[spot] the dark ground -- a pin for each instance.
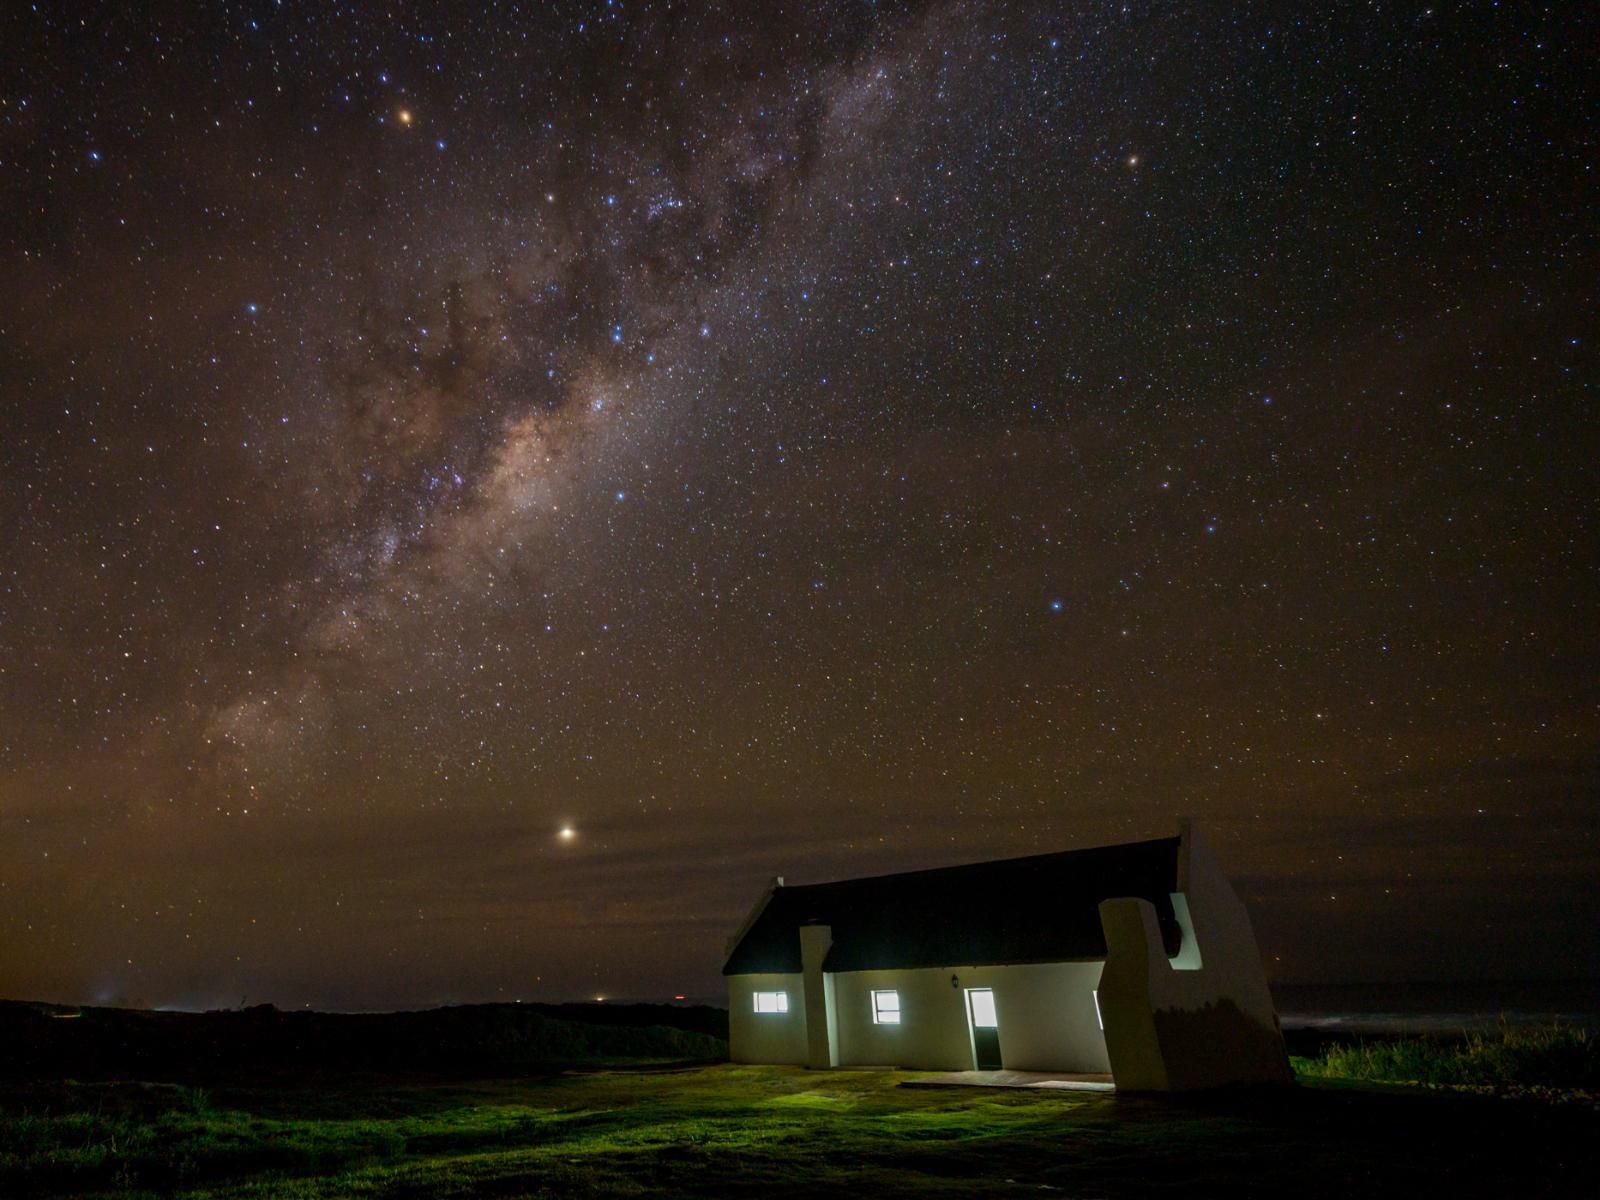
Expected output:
(775, 1131)
(510, 1101)
(482, 1040)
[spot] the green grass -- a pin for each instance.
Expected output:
(765, 1132)
(1542, 1057)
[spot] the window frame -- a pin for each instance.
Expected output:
(780, 1003)
(882, 1015)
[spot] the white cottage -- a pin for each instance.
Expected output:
(1136, 960)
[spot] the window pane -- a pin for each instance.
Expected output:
(983, 1016)
(886, 1007)
(771, 1002)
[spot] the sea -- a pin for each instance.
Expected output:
(1476, 1006)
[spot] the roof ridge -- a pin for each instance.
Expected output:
(990, 862)
(1033, 908)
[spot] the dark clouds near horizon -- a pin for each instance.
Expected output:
(812, 441)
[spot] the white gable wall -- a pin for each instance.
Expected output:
(1204, 1018)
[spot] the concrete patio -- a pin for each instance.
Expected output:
(1017, 1079)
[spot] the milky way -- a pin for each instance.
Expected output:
(813, 442)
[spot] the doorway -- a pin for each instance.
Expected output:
(985, 1027)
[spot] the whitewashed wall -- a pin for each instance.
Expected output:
(766, 1037)
(1046, 1015)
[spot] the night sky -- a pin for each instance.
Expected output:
(814, 440)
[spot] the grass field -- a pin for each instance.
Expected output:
(772, 1131)
(1537, 1058)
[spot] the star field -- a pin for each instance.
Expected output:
(485, 492)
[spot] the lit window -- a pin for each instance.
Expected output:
(983, 1014)
(772, 1002)
(886, 1007)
